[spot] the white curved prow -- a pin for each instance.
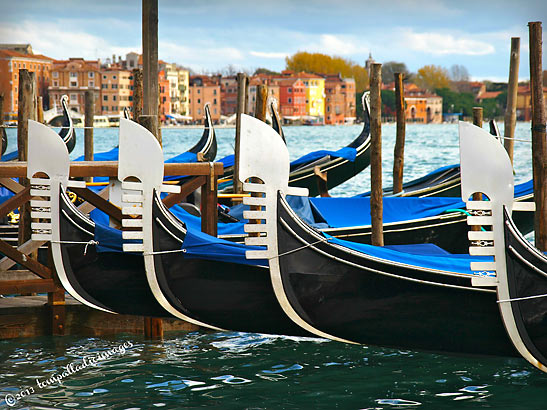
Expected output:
(263, 155)
(486, 168)
(141, 157)
(48, 154)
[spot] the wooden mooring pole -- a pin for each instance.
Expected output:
(477, 120)
(137, 94)
(88, 124)
(261, 102)
(26, 111)
(376, 193)
(539, 135)
(241, 109)
(153, 327)
(1, 119)
(40, 109)
(511, 109)
(150, 62)
(399, 150)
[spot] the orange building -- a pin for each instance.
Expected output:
(11, 62)
(165, 97)
(204, 89)
(116, 90)
(339, 99)
(524, 102)
(255, 81)
(74, 77)
(292, 98)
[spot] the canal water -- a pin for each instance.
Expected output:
(249, 371)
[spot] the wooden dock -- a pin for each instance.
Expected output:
(29, 316)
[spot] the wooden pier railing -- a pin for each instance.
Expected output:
(41, 278)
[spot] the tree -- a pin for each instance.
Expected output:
(431, 77)
(325, 64)
(459, 73)
(390, 68)
(262, 70)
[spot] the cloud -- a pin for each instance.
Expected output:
(444, 44)
(265, 54)
(337, 44)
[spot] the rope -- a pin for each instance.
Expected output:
(515, 139)
(162, 252)
(91, 242)
(523, 298)
(300, 248)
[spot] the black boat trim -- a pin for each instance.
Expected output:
(175, 237)
(74, 223)
(523, 260)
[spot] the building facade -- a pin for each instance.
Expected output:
(74, 77)
(292, 98)
(11, 62)
(204, 89)
(184, 92)
(339, 99)
(116, 90)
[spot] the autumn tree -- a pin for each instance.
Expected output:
(325, 64)
(431, 77)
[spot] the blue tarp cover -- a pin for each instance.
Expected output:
(346, 153)
(199, 245)
(10, 156)
(110, 239)
(422, 256)
(228, 160)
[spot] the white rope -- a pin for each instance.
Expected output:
(523, 298)
(515, 139)
(300, 248)
(162, 252)
(91, 242)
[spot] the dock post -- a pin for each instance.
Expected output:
(376, 193)
(88, 128)
(56, 302)
(477, 120)
(241, 109)
(26, 111)
(153, 327)
(261, 102)
(137, 94)
(399, 150)
(209, 200)
(512, 87)
(539, 135)
(40, 109)
(1, 118)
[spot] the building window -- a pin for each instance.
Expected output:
(215, 101)
(199, 101)
(73, 74)
(104, 77)
(114, 108)
(114, 77)
(74, 84)
(289, 90)
(199, 91)
(215, 92)
(290, 100)
(55, 83)
(105, 98)
(55, 74)
(103, 86)
(215, 110)
(91, 74)
(114, 86)
(113, 98)
(73, 98)
(199, 111)
(91, 83)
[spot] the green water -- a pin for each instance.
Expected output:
(248, 371)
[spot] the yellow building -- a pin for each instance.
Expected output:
(184, 92)
(315, 95)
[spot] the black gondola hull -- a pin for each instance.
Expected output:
(112, 280)
(373, 302)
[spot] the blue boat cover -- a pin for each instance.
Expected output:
(110, 239)
(10, 156)
(346, 153)
(111, 155)
(228, 160)
(199, 245)
(425, 257)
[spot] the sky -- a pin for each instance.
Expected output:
(208, 35)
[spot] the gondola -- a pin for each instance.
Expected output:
(411, 298)
(88, 262)
(520, 268)
(4, 140)
(67, 133)
(196, 277)
(340, 165)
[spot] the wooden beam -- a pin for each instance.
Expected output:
(261, 106)
(539, 136)
(512, 87)
(185, 190)
(15, 202)
(10, 184)
(376, 193)
(88, 131)
(240, 110)
(399, 150)
(40, 109)
(137, 93)
(26, 248)
(110, 169)
(24, 260)
(321, 179)
(18, 287)
(99, 202)
(209, 203)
